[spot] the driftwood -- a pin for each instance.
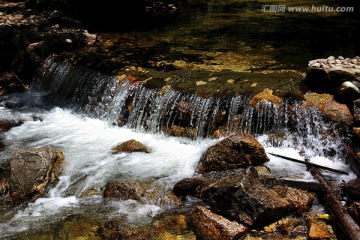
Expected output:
(309, 164)
(346, 222)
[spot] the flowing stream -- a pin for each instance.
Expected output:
(85, 114)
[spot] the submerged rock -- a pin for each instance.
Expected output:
(32, 169)
(130, 146)
(236, 151)
(143, 192)
(211, 226)
(329, 107)
(266, 96)
(242, 196)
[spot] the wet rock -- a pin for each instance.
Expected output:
(325, 75)
(329, 107)
(352, 189)
(354, 210)
(187, 186)
(172, 236)
(211, 226)
(130, 146)
(6, 125)
(299, 200)
(319, 230)
(143, 192)
(32, 169)
(236, 151)
(242, 196)
(78, 228)
(119, 190)
(348, 91)
(265, 96)
(288, 227)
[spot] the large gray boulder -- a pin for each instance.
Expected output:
(32, 169)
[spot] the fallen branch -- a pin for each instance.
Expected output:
(309, 164)
(346, 222)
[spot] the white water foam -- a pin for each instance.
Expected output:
(87, 144)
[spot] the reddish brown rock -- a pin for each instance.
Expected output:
(300, 200)
(329, 107)
(130, 146)
(319, 230)
(211, 226)
(266, 96)
(236, 151)
(32, 169)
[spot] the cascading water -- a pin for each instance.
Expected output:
(99, 112)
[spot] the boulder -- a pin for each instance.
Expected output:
(143, 192)
(265, 96)
(130, 146)
(208, 225)
(32, 169)
(325, 75)
(326, 105)
(242, 196)
(187, 186)
(236, 151)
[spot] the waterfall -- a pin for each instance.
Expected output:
(181, 113)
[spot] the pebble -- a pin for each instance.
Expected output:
(212, 79)
(68, 40)
(230, 81)
(341, 58)
(199, 83)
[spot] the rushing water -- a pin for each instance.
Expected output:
(85, 114)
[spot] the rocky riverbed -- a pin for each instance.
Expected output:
(162, 133)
